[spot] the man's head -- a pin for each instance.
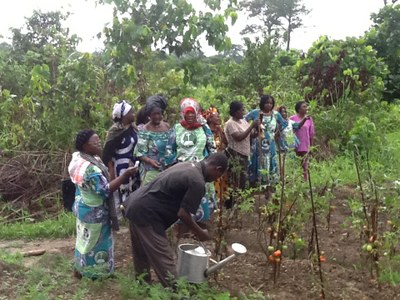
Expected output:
(216, 165)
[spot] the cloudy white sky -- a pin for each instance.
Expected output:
(335, 18)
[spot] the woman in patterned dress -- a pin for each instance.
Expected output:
(94, 249)
(153, 139)
(213, 119)
(118, 154)
(192, 140)
(263, 163)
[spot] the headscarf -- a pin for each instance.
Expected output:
(191, 105)
(156, 101)
(207, 114)
(120, 110)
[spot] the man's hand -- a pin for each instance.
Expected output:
(203, 235)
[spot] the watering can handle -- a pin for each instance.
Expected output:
(204, 247)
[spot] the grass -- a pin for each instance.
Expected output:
(51, 278)
(11, 258)
(61, 227)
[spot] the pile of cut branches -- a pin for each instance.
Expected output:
(30, 183)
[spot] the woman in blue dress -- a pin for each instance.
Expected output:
(94, 249)
(263, 160)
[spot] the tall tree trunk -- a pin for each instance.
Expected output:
(288, 33)
(141, 86)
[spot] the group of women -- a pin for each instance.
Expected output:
(104, 179)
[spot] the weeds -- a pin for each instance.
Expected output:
(62, 226)
(10, 258)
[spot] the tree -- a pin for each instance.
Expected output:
(43, 39)
(384, 36)
(140, 26)
(275, 16)
(333, 70)
(291, 11)
(385, 2)
(265, 11)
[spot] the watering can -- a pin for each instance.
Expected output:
(193, 261)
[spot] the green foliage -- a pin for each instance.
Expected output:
(14, 75)
(363, 135)
(173, 26)
(11, 258)
(390, 274)
(384, 36)
(335, 69)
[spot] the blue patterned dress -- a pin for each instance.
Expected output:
(94, 249)
(263, 162)
(153, 145)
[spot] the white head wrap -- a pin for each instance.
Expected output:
(120, 109)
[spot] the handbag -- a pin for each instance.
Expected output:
(68, 194)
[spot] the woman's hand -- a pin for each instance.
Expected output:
(155, 164)
(115, 183)
(255, 123)
(130, 172)
(148, 161)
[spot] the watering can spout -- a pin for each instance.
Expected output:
(237, 248)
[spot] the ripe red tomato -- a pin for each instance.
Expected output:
(277, 253)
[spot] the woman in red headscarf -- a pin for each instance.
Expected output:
(192, 140)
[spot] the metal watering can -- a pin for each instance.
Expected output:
(193, 261)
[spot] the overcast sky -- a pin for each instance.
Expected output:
(335, 18)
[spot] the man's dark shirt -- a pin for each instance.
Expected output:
(157, 203)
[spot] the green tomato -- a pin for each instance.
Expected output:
(271, 249)
(369, 247)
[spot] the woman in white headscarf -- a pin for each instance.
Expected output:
(118, 153)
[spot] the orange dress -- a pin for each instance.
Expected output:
(221, 184)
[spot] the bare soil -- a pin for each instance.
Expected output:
(346, 273)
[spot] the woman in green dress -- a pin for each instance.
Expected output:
(192, 140)
(153, 139)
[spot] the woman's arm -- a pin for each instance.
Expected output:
(210, 142)
(297, 126)
(111, 169)
(115, 183)
(171, 148)
(148, 161)
(312, 131)
(196, 229)
(142, 150)
(240, 136)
